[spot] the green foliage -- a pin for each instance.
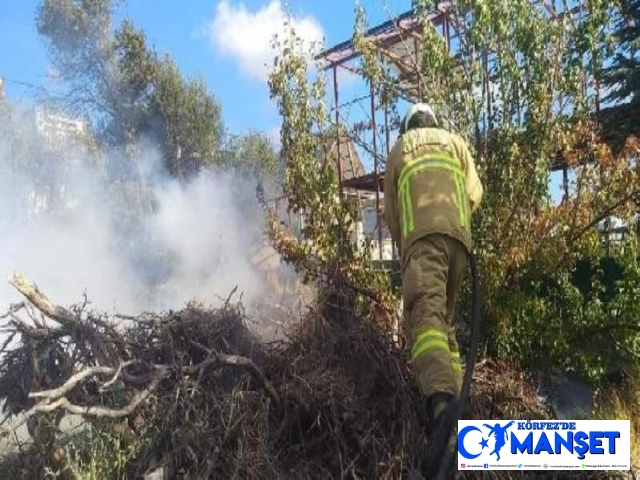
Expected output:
(517, 91)
(190, 119)
(553, 325)
(521, 88)
(623, 75)
(104, 72)
(311, 183)
(114, 78)
(253, 153)
(97, 453)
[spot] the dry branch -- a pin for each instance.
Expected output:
(341, 400)
(41, 302)
(73, 382)
(236, 361)
(116, 375)
(62, 403)
(607, 212)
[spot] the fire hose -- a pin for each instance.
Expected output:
(460, 409)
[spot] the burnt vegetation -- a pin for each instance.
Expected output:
(194, 392)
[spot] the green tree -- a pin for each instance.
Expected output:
(253, 153)
(521, 90)
(114, 78)
(623, 76)
(190, 120)
(311, 184)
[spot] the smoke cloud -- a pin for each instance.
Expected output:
(122, 231)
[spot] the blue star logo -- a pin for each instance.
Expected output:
(498, 431)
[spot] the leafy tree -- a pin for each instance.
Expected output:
(533, 71)
(253, 153)
(311, 185)
(89, 58)
(190, 119)
(118, 81)
(623, 76)
(519, 90)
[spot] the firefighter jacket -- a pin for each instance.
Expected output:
(431, 186)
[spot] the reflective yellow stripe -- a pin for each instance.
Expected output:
(405, 202)
(462, 203)
(409, 207)
(427, 345)
(462, 214)
(411, 165)
(436, 160)
(427, 340)
(455, 361)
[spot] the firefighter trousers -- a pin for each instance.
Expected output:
(434, 269)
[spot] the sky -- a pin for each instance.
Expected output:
(225, 41)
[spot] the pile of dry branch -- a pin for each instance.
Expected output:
(195, 393)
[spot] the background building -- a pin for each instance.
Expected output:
(59, 132)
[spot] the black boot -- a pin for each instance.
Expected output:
(437, 405)
(441, 432)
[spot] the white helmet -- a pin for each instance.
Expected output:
(418, 108)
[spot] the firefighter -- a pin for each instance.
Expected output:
(431, 187)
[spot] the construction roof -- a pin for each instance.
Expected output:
(365, 183)
(350, 163)
(387, 32)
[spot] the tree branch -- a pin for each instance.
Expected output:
(237, 361)
(90, 411)
(122, 366)
(41, 302)
(607, 212)
(234, 361)
(54, 399)
(73, 381)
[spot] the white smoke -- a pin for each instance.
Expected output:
(68, 224)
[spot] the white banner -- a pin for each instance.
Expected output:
(544, 445)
